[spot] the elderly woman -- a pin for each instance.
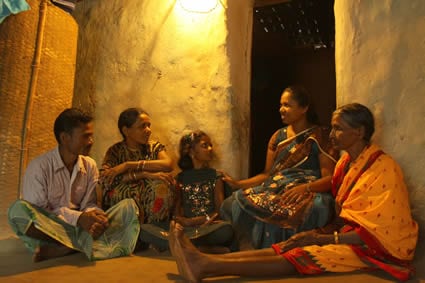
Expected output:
(373, 229)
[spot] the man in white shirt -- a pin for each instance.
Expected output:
(58, 213)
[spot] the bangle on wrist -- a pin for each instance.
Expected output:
(308, 188)
(134, 176)
(138, 165)
(143, 165)
(336, 237)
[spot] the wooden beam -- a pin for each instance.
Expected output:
(262, 3)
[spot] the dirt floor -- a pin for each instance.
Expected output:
(148, 266)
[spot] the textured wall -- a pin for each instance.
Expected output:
(171, 62)
(380, 62)
(192, 70)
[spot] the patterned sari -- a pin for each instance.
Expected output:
(260, 209)
(153, 196)
(372, 199)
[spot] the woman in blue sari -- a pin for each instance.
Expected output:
(299, 166)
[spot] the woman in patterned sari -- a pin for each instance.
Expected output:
(297, 161)
(373, 229)
(138, 168)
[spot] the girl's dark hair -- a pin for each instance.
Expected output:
(303, 98)
(187, 142)
(128, 117)
(70, 119)
(357, 115)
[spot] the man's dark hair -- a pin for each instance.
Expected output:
(70, 119)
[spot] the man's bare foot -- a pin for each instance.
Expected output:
(51, 251)
(33, 232)
(188, 258)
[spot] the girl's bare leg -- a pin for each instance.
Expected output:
(194, 265)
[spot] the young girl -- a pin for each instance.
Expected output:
(199, 195)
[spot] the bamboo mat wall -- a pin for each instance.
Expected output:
(53, 88)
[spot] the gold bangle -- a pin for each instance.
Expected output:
(143, 165)
(138, 165)
(134, 176)
(308, 189)
(336, 237)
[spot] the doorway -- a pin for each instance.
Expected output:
(292, 43)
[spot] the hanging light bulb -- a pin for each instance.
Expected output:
(198, 6)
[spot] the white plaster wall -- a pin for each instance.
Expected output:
(239, 46)
(140, 53)
(380, 62)
(174, 64)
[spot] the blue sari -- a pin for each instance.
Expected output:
(259, 213)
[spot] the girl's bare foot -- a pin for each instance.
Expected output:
(51, 251)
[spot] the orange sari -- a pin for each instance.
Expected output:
(372, 199)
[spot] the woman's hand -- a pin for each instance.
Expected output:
(166, 177)
(185, 222)
(295, 194)
(229, 180)
(108, 175)
(196, 221)
(302, 239)
(210, 219)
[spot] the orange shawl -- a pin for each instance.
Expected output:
(372, 198)
(378, 204)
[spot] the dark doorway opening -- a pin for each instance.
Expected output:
(293, 43)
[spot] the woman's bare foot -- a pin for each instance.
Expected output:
(189, 260)
(51, 251)
(171, 243)
(214, 249)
